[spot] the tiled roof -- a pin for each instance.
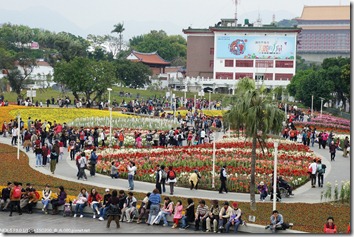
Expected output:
(150, 58)
(325, 13)
(42, 63)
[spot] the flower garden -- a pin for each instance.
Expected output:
(293, 160)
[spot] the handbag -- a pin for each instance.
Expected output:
(310, 170)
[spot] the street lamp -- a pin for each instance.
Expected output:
(275, 176)
(110, 116)
(214, 151)
(18, 135)
(321, 105)
(311, 106)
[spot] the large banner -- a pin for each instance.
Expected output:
(256, 47)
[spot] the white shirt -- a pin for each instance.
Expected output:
(314, 167)
(202, 134)
(131, 170)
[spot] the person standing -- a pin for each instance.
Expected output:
(45, 154)
(113, 212)
(14, 136)
(38, 151)
(15, 197)
(332, 150)
(313, 171)
(324, 139)
(131, 173)
(223, 178)
(54, 154)
(82, 165)
(93, 162)
(163, 178)
(171, 179)
(346, 146)
(158, 178)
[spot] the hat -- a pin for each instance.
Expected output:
(226, 203)
(261, 183)
(235, 205)
(107, 190)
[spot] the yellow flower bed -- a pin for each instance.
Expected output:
(60, 115)
(215, 113)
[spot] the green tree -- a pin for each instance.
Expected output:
(171, 48)
(84, 75)
(133, 74)
(253, 110)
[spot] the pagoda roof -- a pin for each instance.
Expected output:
(148, 58)
(325, 13)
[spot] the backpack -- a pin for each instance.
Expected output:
(164, 174)
(321, 169)
(171, 174)
(17, 192)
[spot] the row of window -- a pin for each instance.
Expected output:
(259, 63)
(265, 76)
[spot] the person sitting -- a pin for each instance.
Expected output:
(200, 215)
(32, 200)
(276, 222)
(213, 216)
(189, 214)
(284, 184)
(81, 202)
(143, 210)
(330, 227)
(224, 215)
(94, 200)
(129, 207)
(104, 208)
(263, 190)
(235, 218)
(167, 209)
(58, 201)
(46, 197)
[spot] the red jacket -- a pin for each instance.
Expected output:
(98, 198)
(330, 229)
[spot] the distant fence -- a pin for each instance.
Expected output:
(337, 112)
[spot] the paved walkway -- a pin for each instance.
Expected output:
(66, 169)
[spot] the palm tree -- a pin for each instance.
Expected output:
(253, 110)
(119, 28)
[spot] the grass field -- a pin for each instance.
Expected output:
(44, 94)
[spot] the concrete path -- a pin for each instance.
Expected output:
(66, 169)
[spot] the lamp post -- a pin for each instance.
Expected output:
(18, 136)
(311, 106)
(321, 105)
(275, 175)
(214, 151)
(110, 116)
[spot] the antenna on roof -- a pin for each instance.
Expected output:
(236, 2)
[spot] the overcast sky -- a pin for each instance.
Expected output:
(83, 17)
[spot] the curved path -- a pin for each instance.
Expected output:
(66, 169)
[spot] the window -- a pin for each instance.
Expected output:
(211, 63)
(283, 76)
(211, 51)
(229, 63)
(240, 75)
(223, 75)
(244, 63)
(284, 64)
(264, 63)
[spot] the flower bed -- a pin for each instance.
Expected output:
(327, 123)
(293, 160)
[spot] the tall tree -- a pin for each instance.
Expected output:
(119, 28)
(133, 74)
(84, 75)
(253, 110)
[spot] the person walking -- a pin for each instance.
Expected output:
(223, 178)
(321, 168)
(131, 173)
(332, 150)
(82, 166)
(313, 171)
(15, 196)
(93, 162)
(171, 179)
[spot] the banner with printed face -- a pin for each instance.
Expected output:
(255, 47)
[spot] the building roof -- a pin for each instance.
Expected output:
(267, 28)
(325, 13)
(148, 58)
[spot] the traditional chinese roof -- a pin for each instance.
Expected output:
(148, 58)
(325, 13)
